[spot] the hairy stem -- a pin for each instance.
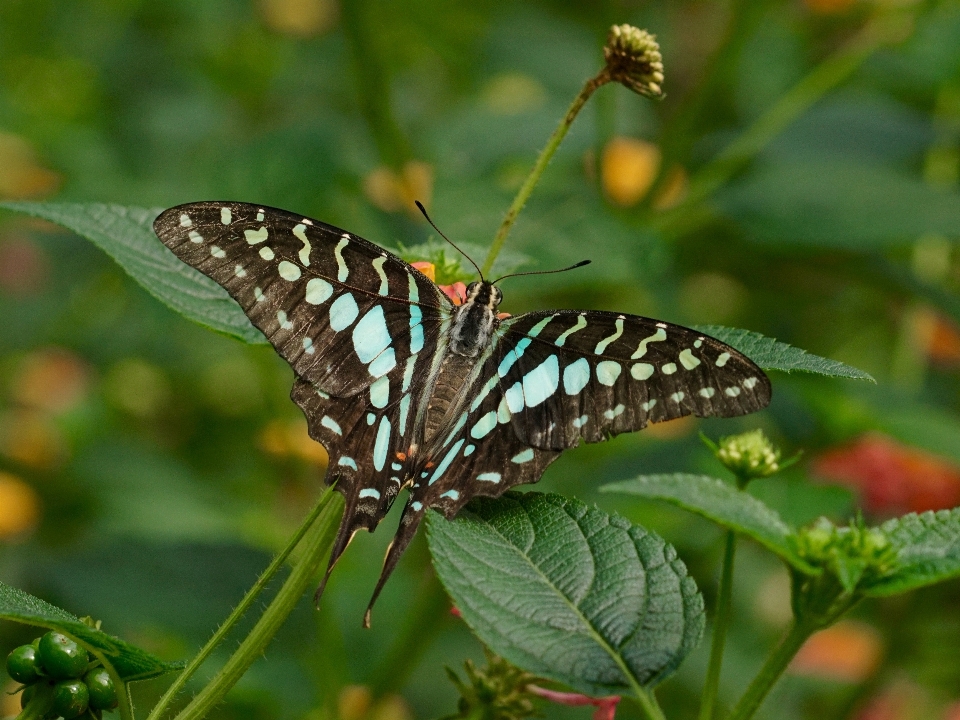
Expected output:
(315, 549)
(648, 702)
(240, 610)
(772, 669)
(602, 78)
(721, 624)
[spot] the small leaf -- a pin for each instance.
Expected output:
(772, 354)
(568, 592)
(126, 235)
(130, 662)
(721, 503)
(928, 551)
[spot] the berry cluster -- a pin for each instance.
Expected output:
(60, 679)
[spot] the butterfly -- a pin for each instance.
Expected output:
(407, 390)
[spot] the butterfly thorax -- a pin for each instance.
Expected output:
(473, 324)
(475, 320)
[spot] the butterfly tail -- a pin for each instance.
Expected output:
(409, 522)
(351, 522)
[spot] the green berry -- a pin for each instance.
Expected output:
(103, 695)
(70, 698)
(22, 665)
(61, 657)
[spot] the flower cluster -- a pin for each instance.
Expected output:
(634, 60)
(749, 455)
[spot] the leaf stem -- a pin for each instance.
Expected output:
(721, 624)
(648, 701)
(240, 610)
(772, 669)
(602, 78)
(317, 543)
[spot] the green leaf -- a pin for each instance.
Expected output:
(568, 592)
(130, 662)
(928, 551)
(722, 503)
(126, 235)
(772, 354)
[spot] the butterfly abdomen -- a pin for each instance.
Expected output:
(450, 381)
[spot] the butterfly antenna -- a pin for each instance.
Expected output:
(424, 211)
(542, 272)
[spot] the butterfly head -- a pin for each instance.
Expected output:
(484, 294)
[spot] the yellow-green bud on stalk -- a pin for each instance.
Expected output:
(749, 456)
(634, 60)
(853, 554)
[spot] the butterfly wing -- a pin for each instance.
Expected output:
(333, 304)
(554, 379)
(586, 376)
(358, 325)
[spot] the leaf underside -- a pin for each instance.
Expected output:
(569, 592)
(126, 235)
(928, 551)
(772, 354)
(722, 503)
(130, 662)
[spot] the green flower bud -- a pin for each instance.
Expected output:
(748, 456)
(634, 60)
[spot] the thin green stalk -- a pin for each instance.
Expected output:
(648, 702)
(602, 78)
(316, 547)
(826, 76)
(772, 670)
(240, 610)
(721, 624)
(124, 701)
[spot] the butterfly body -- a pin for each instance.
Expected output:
(407, 390)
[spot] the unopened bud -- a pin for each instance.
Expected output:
(634, 60)
(750, 455)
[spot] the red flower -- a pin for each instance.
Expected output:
(606, 706)
(891, 477)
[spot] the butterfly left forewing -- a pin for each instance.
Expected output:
(335, 306)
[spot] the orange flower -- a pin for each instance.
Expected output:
(849, 652)
(19, 507)
(891, 477)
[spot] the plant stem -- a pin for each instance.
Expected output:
(721, 624)
(648, 702)
(316, 547)
(602, 78)
(772, 670)
(240, 610)
(880, 31)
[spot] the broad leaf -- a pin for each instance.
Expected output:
(130, 662)
(772, 354)
(568, 592)
(721, 503)
(126, 235)
(928, 551)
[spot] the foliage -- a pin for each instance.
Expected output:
(798, 179)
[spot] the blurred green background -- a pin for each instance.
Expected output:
(148, 468)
